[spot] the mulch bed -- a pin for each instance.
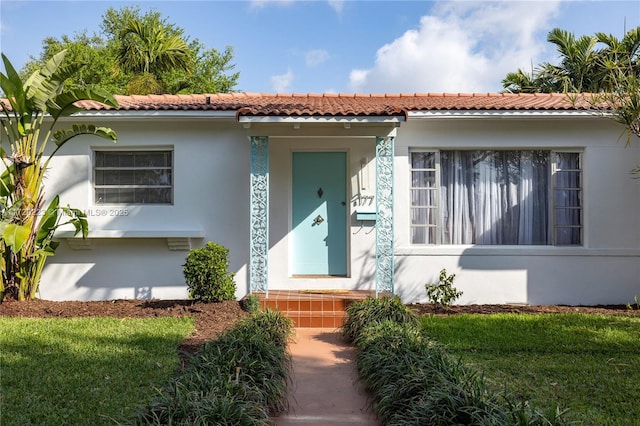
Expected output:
(525, 309)
(211, 319)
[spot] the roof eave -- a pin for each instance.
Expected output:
(312, 119)
(164, 114)
(519, 114)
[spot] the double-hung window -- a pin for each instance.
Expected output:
(133, 177)
(491, 197)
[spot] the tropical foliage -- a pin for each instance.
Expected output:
(602, 65)
(588, 64)
(148, 51)
(136, 53)
(30, 112)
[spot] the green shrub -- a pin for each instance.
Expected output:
(413, 380)
(207, 276)
(251, 303)
(375, 310)
(443, 293)
(181, 405)
(270, 323)
(241, 378)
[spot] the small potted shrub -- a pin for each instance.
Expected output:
(206, 272)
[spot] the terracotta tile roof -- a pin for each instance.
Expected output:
(257, 104)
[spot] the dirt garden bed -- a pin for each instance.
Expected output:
(211, 319)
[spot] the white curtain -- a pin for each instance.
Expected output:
(494, 197)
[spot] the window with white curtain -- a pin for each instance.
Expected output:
(491, 197)
(133, 177)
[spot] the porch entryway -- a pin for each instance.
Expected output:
(301, 258)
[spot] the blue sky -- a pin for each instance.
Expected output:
(341, 46)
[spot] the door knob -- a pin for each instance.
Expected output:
(318, 220)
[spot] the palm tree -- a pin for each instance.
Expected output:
(578, 66)
(30, 113)
(619, 58)
(577, 71)
(148, 51)
(583, 67)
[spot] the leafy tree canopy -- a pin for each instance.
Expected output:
(136, 53)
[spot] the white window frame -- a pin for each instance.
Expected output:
(554, 187)
(154, 149)
(436, 189)
(553, 158)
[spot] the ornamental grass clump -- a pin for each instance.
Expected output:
(375, 310)
(241, 378)
(413, 380)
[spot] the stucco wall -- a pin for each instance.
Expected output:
(211, 180)
(211, 199)
(605, 270)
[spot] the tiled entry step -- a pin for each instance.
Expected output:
(310, 308)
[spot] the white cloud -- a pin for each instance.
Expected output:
(337, 5)
(460, 47)
(315, 57)
(282, 83)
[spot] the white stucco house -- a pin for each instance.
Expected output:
(526, 198)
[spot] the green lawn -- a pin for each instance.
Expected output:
(589, 364)
(84, 371)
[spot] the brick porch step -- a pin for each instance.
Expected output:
(308, 308)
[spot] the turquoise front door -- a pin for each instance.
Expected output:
(319, 226)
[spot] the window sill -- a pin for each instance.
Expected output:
(470, 250)
(177, 240)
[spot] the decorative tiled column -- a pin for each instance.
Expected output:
(384, 211)
(259, 220)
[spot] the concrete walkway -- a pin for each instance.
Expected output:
(325, 390)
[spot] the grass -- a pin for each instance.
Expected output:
(589, 364)
(84, 371)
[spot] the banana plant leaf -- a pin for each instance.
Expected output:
(15, 236)
(62, 136)
(49, 221)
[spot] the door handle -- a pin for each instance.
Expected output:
(318, 220)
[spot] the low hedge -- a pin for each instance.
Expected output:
(241, 378)
(374, 310)
(414, 381)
